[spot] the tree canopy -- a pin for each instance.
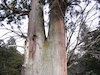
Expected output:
(10, 61)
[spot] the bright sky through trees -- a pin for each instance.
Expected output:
(20, 42)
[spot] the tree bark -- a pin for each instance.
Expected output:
(34, 42)
(45, 56)
(56, 38)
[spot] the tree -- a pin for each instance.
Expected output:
(10, 61)
(44, 55)
(94, 52)
(89, 63)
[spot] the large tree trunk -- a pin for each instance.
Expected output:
(45, 56)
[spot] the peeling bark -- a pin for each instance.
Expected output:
(34, 42)
(57, 40)
(45, 56)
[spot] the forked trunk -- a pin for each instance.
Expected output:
(45, 56)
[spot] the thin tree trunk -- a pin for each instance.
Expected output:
(45, 56)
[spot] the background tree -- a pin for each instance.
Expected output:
(89, 63)
(10, 61)
(79, 22)
(93, 56)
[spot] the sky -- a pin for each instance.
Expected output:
(24, 29)
(20, 42)
(92, 25)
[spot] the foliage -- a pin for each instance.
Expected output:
(90, 62)
(14, 10)
(79, 22)
(93, 56)
(10, 61)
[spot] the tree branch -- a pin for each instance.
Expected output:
(16, 10)
(86, 51)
